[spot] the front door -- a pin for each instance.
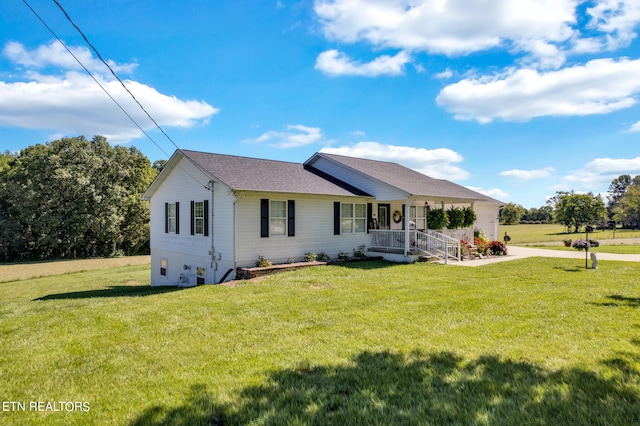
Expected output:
(384, 219)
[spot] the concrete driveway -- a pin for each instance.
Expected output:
(516, 252)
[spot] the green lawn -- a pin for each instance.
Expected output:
(603, 248)
(535, 341)
(521, 234)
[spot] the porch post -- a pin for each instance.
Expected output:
(407, 230)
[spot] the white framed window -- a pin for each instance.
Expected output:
(201, 275)
(346, 218)
(163, 267)
(353, 218)
(198, 217)
(278, 218)
(171, 217)
(360, 218)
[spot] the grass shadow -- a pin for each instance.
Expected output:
(111, 291)
(571, 268)
(633, 302)
(366, 264)
(383, 388)
(619, 300)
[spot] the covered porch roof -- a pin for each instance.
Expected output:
(408, 183)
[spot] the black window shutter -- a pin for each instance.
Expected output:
(206, 218)
(369, 215)
(193, 214)
(264, 217)
(166, 218)
(291, 218)
(403, 221)
(177, 218)
(336, 218)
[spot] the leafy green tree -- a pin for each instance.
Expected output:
(574, 210)
(627, 209)
(511, 214)
(10, 237)
(74, 197)
(159, 165)
(617, 189)
(543, 214)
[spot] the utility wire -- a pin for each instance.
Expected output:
(114, 74)
(92, 76)
(121, 82)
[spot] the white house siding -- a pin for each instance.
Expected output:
(223, 225)
(487, 219)
(185, 183)
(313, 229)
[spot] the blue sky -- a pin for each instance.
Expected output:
(514, 99)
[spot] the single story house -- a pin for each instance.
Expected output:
(213, 213)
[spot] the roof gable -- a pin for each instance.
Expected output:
(406, 179)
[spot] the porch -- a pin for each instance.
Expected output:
(392, 244)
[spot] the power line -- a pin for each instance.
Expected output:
(121, 82)
(92, 76)
(114, 74)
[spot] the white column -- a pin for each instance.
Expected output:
(407, 227)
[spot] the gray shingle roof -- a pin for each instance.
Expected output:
(408, 180)
(254, 174)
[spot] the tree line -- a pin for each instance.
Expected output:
(575, 210)
(73, 197)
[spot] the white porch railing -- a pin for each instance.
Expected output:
(430, 242)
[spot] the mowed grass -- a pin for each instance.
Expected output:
(622, 241)
(22, 271)
(535, 341)
(622, 248)
(522, 234)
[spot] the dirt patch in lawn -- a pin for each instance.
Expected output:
(23, 271)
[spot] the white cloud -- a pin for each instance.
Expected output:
(54, 54)
(545, 31)
(599, 172)
(444, 75)
(438, 163)
(542, 54)
(453, 27)
(496, 193)
(528, 174)
(75, 104)
(70, 102)
(635, 127)
(336, 63)
(616, 18)
(598, 87)
(295, 136)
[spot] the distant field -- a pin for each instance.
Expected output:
(604, 248)
(22, 271)
(522, 234)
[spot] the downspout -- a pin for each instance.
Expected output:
(212, 252)
(237, 197)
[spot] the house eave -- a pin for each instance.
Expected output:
(309, 163)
